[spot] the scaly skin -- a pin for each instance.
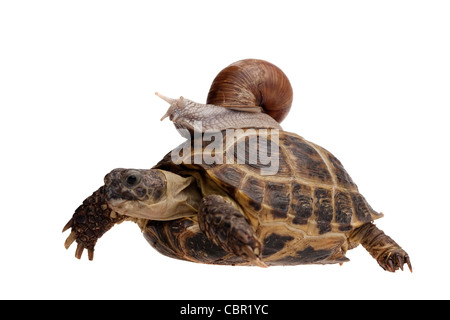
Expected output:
(389, 255)
(229, 229)
(89, 222)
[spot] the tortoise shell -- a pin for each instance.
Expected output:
(301, 213)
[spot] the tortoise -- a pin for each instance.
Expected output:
(253, 195)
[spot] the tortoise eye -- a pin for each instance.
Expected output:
(133, 179)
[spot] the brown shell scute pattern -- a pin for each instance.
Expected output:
(308, 164)
(302, 203)
(311, 192)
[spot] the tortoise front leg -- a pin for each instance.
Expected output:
(229, 228)
(389, 255)
(89, 222)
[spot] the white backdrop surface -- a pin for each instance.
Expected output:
(77, 81)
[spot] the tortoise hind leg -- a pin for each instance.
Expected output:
(229, 229)
(389, 255)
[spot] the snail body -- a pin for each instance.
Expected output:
(249, 93)
(190, 115)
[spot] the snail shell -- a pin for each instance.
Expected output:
(252, 83)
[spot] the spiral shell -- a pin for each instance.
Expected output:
(253, 83)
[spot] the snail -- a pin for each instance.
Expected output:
(249, 93)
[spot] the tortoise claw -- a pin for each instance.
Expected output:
(91, 254)
(68, 225)
(70, 239)
(408, 262)
(252, 254)
(79, 250)
(392, 261)
(399, 261)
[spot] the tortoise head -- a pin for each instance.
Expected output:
(150, 194)
(130, 189)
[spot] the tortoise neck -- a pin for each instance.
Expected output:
(183, 196)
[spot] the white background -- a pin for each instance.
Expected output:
(371, 84)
